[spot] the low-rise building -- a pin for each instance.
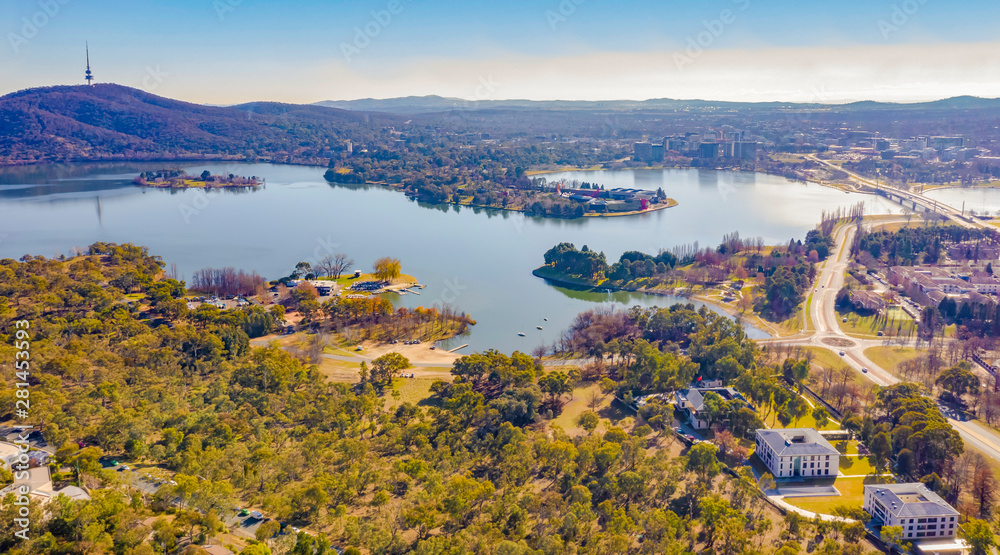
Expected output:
(870, 301)
(692, 402)
(797, 453)
(927, 284)
(919, 511)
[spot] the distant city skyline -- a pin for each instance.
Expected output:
(232, 51)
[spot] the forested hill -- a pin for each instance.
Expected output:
(109, 121)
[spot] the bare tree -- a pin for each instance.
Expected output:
(340, 264)
(325, 266)
(984, 488)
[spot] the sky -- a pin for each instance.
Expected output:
(232, 51)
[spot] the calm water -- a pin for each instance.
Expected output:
(977, 199)
(479, 261)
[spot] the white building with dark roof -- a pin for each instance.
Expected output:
(919, 511)
(797, 453)
(692, 402)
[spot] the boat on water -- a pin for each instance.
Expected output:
(520, 334)
(538, 327)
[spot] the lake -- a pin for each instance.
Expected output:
(980, 200)
(480, 261)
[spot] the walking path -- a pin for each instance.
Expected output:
(779, 500)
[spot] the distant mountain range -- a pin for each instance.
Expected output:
(433, 103)
(109, 121)
(112, 122)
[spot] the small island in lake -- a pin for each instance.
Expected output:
(534, 196)
(179, 179)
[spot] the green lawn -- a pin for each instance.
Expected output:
(846, 447)
(825, 357)
(857, 465)
(412, 390)
(807, 307)
(580, 403)
(852, 494)
(806, 421)
(332, 350)
(889, 357)
(869, 325)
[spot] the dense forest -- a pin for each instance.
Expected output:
(472, 469)
(112, 122)
(918, 245)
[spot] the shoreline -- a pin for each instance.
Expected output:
(195, 159)
(753, 320)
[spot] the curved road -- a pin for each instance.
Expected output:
(828, 335)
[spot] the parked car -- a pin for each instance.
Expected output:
(256, 514)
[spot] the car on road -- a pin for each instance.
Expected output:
(865, 370)
(841, 353)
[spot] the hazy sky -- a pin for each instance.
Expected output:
(230, 51)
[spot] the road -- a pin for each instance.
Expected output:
(828, 335)
(929, 204)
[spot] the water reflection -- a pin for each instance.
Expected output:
(477, 259)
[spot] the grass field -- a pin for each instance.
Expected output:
(806, 421)
(609, 412)
(340, 370)
(868, 326)
(825, 357)
(846, 447)
(411, 390)
(852, 494)
(857, 465)
(889, 357)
